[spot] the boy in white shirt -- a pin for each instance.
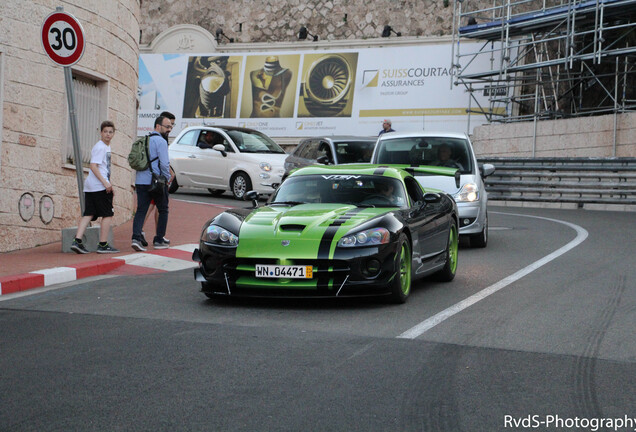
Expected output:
(98, 193)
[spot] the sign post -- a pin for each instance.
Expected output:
(63, 41)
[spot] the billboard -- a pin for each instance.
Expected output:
(298, 94)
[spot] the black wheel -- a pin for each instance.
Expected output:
(173, 186)
(216, 192)
(480, 240)
(447, 274)
(401, 284)
(240, 185)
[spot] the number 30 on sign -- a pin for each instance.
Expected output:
(63, 38)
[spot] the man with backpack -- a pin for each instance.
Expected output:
(159, 164)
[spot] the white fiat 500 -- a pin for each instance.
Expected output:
(447, 149)
(222, 158)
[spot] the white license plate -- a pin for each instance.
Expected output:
(284, 271)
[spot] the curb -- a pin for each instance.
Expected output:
(56, 275)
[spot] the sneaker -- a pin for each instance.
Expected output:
(160, 244)
(106, 249)
(144, 243)
(166, 241)
(136, 245)
(79, 247)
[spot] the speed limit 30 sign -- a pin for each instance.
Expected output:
(63, 38)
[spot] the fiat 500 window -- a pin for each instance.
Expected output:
(254, 143)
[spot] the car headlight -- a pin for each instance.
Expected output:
(468, 193)
(265, 166)
(217, 235)
(370, 237)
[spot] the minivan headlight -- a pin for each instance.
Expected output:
(468, 193)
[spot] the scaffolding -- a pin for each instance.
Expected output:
(551, 59)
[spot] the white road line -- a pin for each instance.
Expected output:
(204, 203)
(424, 326)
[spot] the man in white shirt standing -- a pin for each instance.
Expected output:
(98, 193)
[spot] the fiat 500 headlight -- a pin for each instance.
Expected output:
(217, 235)
(468, 193)
(265, 166)
(370, 237)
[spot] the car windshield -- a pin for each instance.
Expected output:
(359, 190)
(254, 142)
(354, 151)
(437, 151)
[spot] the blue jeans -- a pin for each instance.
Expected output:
(143, 202)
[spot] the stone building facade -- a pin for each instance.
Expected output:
(248, 21)
(38, 181)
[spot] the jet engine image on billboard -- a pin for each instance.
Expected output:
(327, 85)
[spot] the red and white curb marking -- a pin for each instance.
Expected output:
(163, 260)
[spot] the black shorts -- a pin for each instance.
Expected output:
(98, 204)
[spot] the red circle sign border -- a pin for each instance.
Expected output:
(79, 32)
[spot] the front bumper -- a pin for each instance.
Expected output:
(346, 275)
(472, 217)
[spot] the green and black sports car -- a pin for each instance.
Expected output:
(334, 231)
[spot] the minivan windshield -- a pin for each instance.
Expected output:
(435, 151)
(253, 142)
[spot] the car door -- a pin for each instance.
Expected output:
(182, 152)
(425, 224)
(207, 167)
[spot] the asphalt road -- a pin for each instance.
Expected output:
(536, 329)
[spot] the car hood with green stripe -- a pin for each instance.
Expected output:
(299, 232)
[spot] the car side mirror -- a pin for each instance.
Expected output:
(486, 169)
(220, 148)
(252, 195)
(324, 159)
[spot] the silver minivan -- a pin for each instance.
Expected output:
(451, 150)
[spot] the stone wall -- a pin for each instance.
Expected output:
(35, 117)
(580, 137)
(280, 20)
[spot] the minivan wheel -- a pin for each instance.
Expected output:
(480, 240)
(240, 185)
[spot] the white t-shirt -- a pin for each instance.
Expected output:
(100, 155)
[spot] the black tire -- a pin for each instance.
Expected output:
(447, 274)
(216, 192)
(173, 186)
(240, 184)
(401, 283)
(480, 240)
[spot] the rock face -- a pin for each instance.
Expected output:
(280, 20)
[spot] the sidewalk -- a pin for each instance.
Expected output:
(46, 265)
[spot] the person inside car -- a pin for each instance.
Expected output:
(206, 141)
(445, 158)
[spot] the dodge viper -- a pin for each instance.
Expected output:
(334, 231)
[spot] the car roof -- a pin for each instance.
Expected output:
(225, 128)
(338, 138)
(423, 134)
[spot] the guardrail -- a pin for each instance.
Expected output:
(563, 180)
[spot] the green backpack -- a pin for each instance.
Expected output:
(139, 156)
